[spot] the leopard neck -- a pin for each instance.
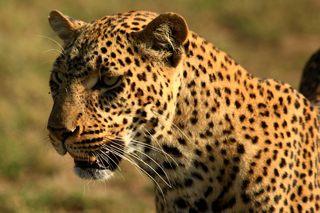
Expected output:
(203, 128)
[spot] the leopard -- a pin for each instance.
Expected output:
(310, 80)
(141, 87)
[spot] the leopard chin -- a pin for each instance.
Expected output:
(93, 173)
(96, 170)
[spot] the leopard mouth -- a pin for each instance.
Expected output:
(100, 164)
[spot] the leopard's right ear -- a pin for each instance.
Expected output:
(63, 25)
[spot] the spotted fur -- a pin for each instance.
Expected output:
(141, 87)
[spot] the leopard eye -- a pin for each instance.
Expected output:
(55, 82)
(92, 81)
(57, 76)
(110, 82)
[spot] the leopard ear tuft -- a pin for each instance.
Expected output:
(165, 33)
(63, 25)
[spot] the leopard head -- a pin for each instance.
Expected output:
(114, 87)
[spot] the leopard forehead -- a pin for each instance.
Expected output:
(101, 42)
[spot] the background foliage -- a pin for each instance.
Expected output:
(269, 38)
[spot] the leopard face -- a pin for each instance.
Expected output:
(109, 90)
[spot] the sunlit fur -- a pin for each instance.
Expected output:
(141, 87)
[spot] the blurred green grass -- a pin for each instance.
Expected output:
(269, 38)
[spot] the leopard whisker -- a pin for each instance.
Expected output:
(165, 154)
(150, 176)
(173, 125)
(115, 150)
(50, 50)
(143, 144)
(153, 148)
(52, 40)
(155, 162)
(158, 165)
(105, 157)
(101, 156)
(141, 160)
(141, 169)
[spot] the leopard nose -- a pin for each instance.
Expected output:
(62, 134)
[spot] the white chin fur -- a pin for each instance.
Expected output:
(93, 174)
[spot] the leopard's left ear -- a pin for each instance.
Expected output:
(63, 25)
(167, 32)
